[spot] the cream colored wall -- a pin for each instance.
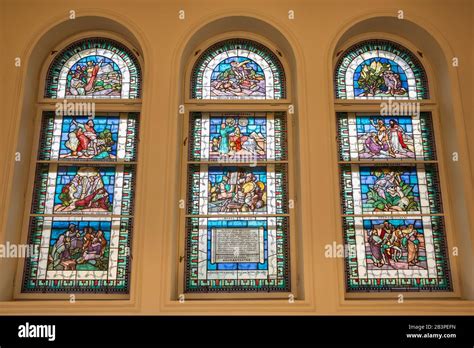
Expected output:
(313, 35)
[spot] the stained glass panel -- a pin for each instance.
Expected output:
(380, 69)
(390, 190)
(396, 254)
(237, 190)
(107, 137)
(237, 255)
(83, 190)
(238, 69)
(238, 137)
(94, 68)
(81, 255)
(377, 137)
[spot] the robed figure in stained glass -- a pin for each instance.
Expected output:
(225, 131)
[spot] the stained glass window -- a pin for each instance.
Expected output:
(82, 208)
(94, 68)
(380, 69)
(237, 210)
(393, 217)
(238, 69)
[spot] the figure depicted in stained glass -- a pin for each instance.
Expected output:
(85, 192)
(395, 246)
(385, 141)
(79, 250)
(238, 76)
(94, 76)
(397, 144)
(224, 142)
(238, 137)
(83, 141)
(390, 189)
(237, 190)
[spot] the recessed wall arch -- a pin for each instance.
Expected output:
(242, 28)
(444, 99)
(32, 104)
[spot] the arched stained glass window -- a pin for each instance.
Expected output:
(238, 69)
(392, 211)
(94, 68)
(81, 215)
(380, 69)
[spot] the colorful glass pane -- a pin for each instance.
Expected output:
(396, 254)
(376, 137)
(109, 137)
(378, 189)
(380, 69)
(94, 68)
(83, 190)
(232, 255)
(237, 137)
(83, 255)
(237, 190)
(238, 69)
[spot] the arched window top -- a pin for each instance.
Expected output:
(380, 69)
(238, 69)
(94, 68)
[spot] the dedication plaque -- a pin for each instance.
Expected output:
(237, 245)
